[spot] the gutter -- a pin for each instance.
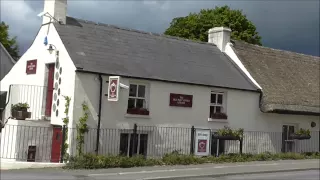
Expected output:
(99, 115)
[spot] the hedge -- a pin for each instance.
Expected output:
(92, 161)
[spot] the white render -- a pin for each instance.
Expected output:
(242, 110)
(57, 9)
(18, 76)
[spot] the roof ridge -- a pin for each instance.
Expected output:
(139, 31)
(280, 50)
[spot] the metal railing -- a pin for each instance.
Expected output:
(34, 96)
(19, 142)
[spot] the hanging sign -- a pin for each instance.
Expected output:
(113, 88)
(31, 67)
(202, 142)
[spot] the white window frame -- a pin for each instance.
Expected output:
(224, 101)
(146, 93)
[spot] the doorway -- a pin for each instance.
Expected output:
(50, 89)
(288, 143)
(56, 143)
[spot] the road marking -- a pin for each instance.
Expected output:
(144, 172)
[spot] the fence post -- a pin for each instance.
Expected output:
(134, 136)
(192, 140)
(241, 145)
(63, 143)
(319, 141)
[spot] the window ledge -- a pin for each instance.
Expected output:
(218, 120)
(137, 116)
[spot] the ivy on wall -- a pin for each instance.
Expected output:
(66, 123)
(82, 128)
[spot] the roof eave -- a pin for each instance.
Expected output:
(290, 109)
(80, 69)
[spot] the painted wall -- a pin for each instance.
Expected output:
(18, 135)
(63, 76)
(6, 62)
(242, 110)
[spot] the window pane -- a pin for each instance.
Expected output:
(219, 98)
(133, 90)
(140, 103)
(141, 91)
(131, 103)
(213, 98)
(211, 111)
(218, 109)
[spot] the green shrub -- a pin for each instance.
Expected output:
(92, 161)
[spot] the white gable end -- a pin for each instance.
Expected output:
(65, 70)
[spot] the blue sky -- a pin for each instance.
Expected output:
(283, 24)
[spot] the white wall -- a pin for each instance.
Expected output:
(18, 135)
(39, 51)
(242, 110)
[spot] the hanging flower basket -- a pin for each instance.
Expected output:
(301, 134)
(228, 134)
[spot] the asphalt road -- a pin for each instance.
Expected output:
(298, 175)
(211, 171)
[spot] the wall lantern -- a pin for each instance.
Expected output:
(313, 124)
(52, 48)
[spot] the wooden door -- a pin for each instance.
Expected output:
(56, 144)
(49, 89)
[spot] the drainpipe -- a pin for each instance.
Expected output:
(99, 115)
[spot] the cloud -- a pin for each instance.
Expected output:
(22, 20)
(291, 25)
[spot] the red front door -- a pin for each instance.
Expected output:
(49, 89)
(56, 144)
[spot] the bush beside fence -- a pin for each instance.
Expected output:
(92, 161)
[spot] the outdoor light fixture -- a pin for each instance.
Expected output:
(51, 48)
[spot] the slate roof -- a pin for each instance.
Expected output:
(107, 49)
(289, 81)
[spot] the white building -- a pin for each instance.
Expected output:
(221, 83)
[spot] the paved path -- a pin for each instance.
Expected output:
(152, 173)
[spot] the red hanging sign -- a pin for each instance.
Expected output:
(113, 88)
(31, 67)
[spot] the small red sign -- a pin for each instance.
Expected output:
(113, 88)
(180, 100)
(31, 67)
(202, 145)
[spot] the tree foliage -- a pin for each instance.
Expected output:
(195, 26)
(9, 43)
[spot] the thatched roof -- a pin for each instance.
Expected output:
(289, 81)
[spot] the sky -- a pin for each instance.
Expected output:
(283, 24)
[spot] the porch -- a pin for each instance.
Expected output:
(27, 102)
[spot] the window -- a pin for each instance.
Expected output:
(129, 144)
(137, 103)
(217, 106)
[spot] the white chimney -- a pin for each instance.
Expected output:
(57, 9)
(219, 36)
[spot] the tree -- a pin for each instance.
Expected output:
(195, 26)
(9, 43)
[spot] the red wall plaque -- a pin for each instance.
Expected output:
(31, 67)
(180, 100)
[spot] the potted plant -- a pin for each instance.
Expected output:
(138, 111)
(301, 134)
(20, 111)
(227, 133)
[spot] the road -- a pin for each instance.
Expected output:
(298, 175)
(211, 171)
